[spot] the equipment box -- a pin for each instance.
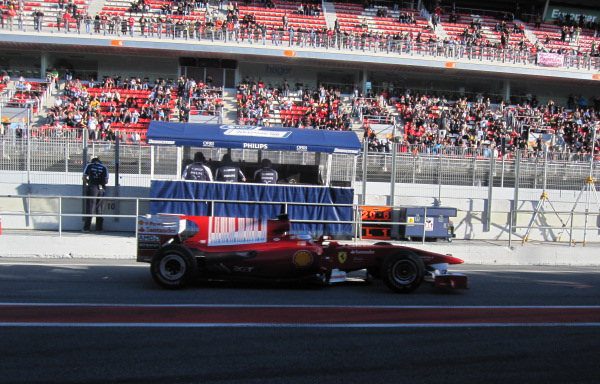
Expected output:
(436, 225)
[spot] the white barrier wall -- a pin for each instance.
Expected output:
(470, 203)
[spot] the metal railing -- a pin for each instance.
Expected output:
(62, 157)
(452, 50)
(510, 226)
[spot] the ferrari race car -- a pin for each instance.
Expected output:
(183, 248)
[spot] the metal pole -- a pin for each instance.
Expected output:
(28, 155)
(364, 173)
(67, 157)
(424, 220)
(488, 208)
(590, 185)
(516, 190)
(502, 176)
(137, 214)
(117, 176)
(545, 169)
(84, 154)
(510, 229)
(393, 176)
(474, 169)
(139, 158)
(439, 174)
(60, 216)
(152, 162)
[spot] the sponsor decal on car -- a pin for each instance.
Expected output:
(360, 252)
(159, 225)
(302, 258)
(342, 257)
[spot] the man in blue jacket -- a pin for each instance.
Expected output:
(95, 178)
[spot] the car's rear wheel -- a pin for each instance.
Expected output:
(403, 272)
(173, 267)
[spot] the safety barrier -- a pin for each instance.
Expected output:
(341, 42)
(510, 225)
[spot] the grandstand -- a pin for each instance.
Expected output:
(345, 98)
(465, 101)
(421, 63)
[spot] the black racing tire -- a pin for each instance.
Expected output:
(173, 267)
(403, 272)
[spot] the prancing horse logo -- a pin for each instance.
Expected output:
(342, 257)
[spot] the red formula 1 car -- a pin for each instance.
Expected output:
(183, 248)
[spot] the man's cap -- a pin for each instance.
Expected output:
(95, 159)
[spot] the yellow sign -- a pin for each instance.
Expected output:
(302, 259)
(410, 220)
(342, 257)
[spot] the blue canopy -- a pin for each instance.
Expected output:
(253, 137)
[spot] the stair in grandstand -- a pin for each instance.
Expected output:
(329, 13)
(529, 33)
(229, 107)
(95, 6)
(389, 24)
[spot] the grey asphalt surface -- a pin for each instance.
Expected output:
(295, 355)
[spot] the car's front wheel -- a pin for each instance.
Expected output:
(403, 273)
(173, 267)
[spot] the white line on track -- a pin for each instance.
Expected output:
(77, 265)
(510, 268)
(299, 325)
(304, 306)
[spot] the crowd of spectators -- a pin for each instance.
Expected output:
(198, 97)
(433, 123)
(99, 106)
(568, 20)
(263, 104)
(221, 21)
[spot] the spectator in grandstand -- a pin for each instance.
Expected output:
(95, 178)
(266, 174)
(228, 171)
(198, 170)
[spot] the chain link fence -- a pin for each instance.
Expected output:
(59, 156)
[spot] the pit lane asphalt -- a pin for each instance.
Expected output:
(295, 355)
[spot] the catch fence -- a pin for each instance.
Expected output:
(61, 156)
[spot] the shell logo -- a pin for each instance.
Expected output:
(289, 53)
(596, 76)
(450, 64)
(116, 43)
(302, 258)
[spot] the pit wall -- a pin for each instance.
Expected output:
(470, 202)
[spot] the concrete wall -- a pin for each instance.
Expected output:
(471, 205)
(470, 202)
(44, 209)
